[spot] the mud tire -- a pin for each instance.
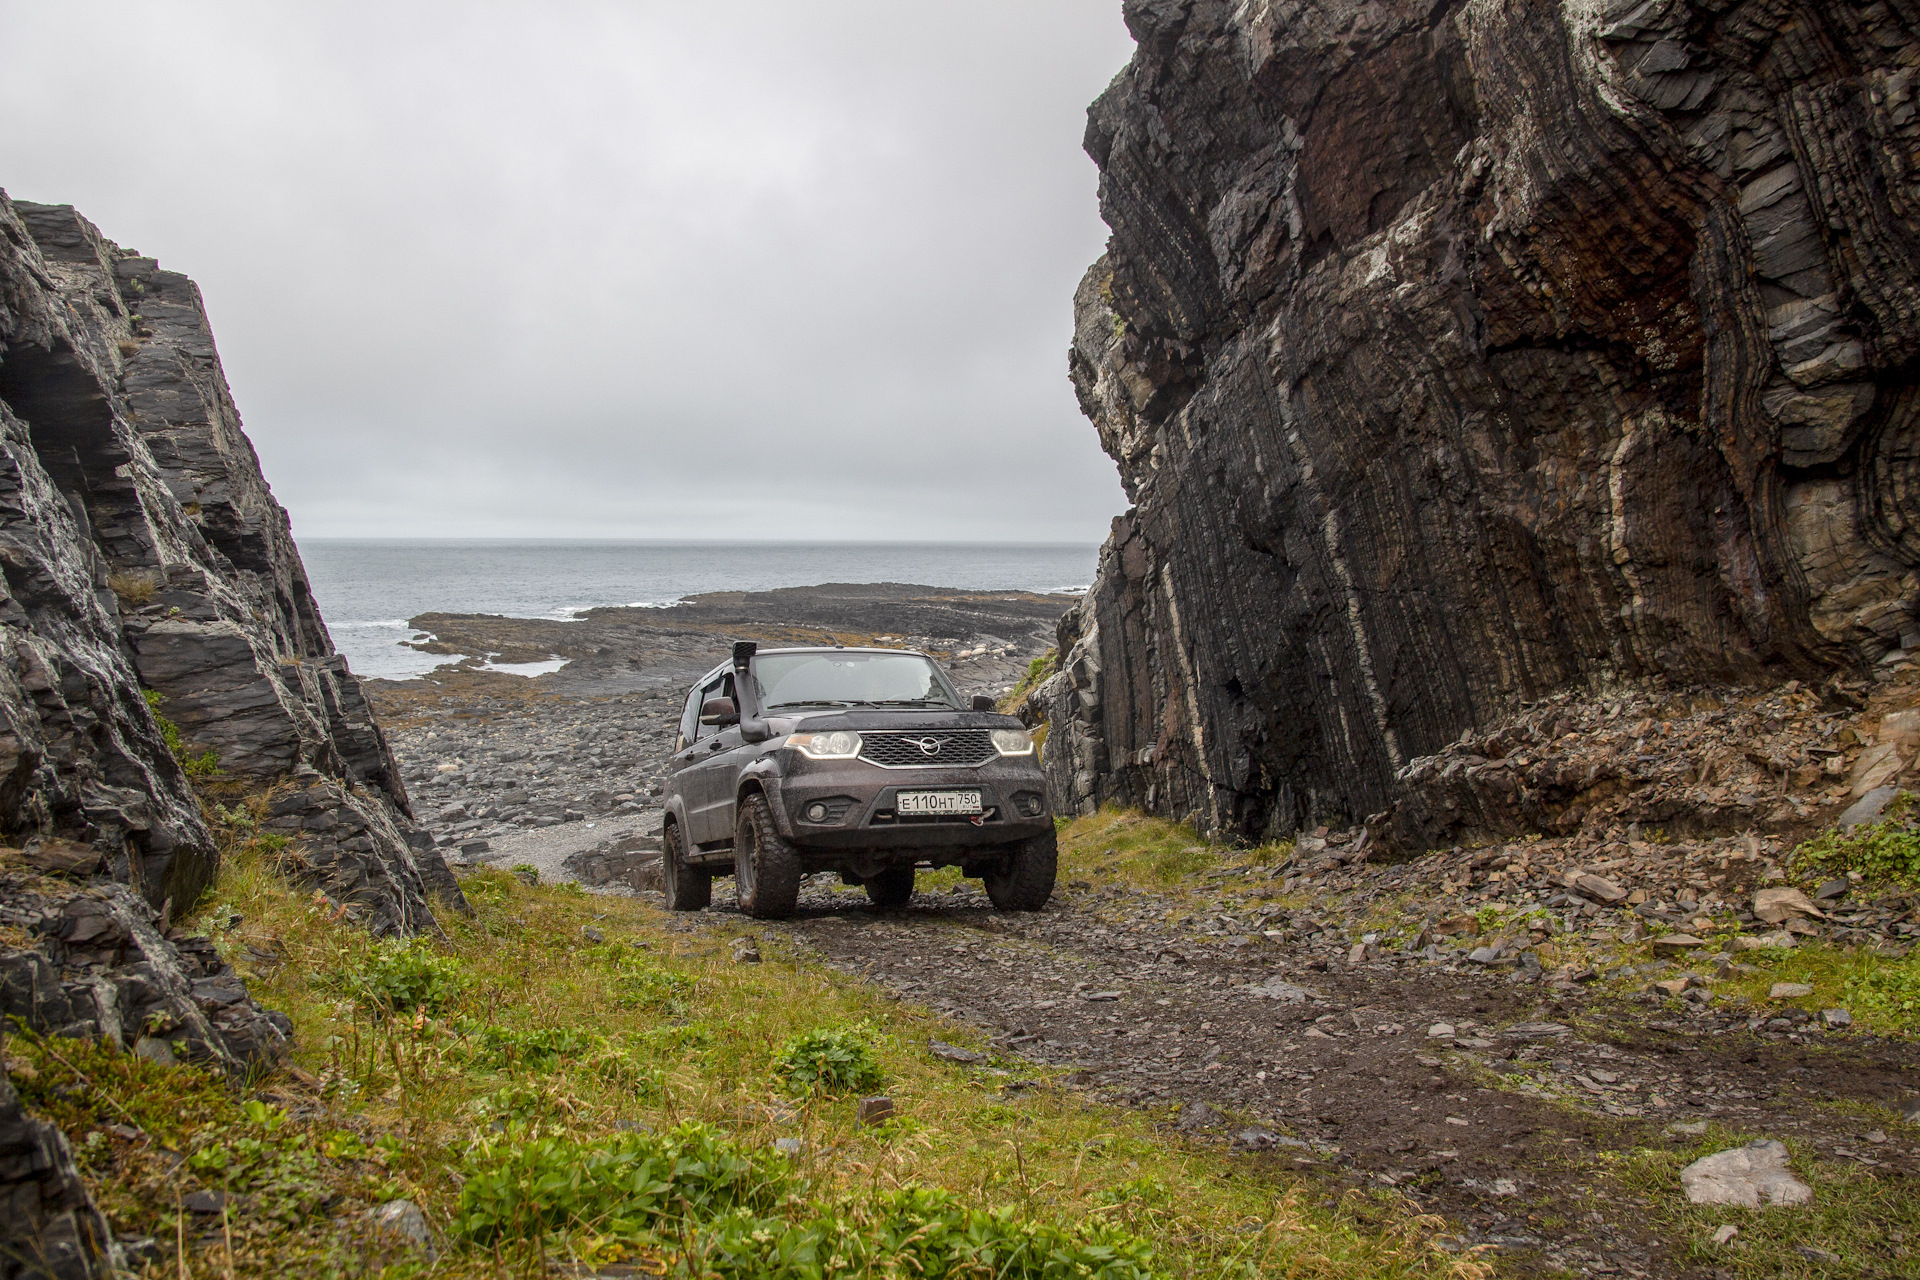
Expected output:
(688, 888)
(1023, 879)
(766, 869)
(891, 889)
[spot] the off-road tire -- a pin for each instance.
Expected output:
(891, 889)
(766, 869)
(1023, 879)
(688, 888)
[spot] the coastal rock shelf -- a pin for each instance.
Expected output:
(1458, 355)
(495, 762)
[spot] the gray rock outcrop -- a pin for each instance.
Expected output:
(143, 553)
(1458, 354)
(50, 1228)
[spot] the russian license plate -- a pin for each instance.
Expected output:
(911, 804)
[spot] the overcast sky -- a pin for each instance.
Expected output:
(626, 269)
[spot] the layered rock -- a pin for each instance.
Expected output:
(1455, 355)
(50, 1228)
(144, 554)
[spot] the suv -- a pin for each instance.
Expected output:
(861, 761)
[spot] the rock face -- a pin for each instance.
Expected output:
(49, 1225)
(143, 554)
(1455, 354)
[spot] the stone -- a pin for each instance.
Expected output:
(402, 1222)
(1789, 990)
(211, 1200)
(1484, 955)
(745, 951)
(1724, 1234)
(1688, 1128)
(876, 1110)
(1832, 890)
(1277, 988)
(1256, 1139)
(1600, 889)
(1675, 944)
(1836, 1018)
(1098, 997)
(789, 1146)
(1779, 905)
(1440, 1030)
(1751, 1176)
(50, 1214)
(1867, 808)
(590, 934)
(1535, 1031)
(953, 1052)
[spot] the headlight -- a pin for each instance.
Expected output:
(1013, 742)
(826, 746)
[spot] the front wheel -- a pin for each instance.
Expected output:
(688, 889)
(766, 869)
(891, 889)
(1023, 878)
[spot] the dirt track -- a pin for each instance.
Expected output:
(1503, 1127)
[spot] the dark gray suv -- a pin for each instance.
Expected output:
(860, 761)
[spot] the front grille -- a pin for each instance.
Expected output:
(956, 748)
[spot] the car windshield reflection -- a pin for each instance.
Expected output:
(850, 678)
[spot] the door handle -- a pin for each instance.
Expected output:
(716, 746)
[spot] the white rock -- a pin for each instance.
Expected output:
(1439, 1030)
(1752, 1175)
(402, 1221)
(1789, 990)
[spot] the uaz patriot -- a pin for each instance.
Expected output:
(861, 761)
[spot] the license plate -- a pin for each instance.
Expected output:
(936, 803)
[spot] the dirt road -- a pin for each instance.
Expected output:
(1490, 1097)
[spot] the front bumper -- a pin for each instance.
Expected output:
(859, 804)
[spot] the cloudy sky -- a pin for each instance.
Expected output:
(639, 268)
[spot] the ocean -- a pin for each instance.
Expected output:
(369, 588)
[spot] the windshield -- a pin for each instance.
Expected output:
(840, 678)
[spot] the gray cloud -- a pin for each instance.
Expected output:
(609, 269)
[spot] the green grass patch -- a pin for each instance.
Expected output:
(545, 1101)
(1850, 1229)
(1881, 992)
(1887, 852)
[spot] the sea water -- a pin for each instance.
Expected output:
(369, 589)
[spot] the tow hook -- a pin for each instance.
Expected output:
(978, 819)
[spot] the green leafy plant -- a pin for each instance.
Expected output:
(1888, 850)
(1888, 992)
(621, 1186)
(835, 1061)
(204, 765)
(541, 1049)
(398, 977)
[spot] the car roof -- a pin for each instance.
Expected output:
(814, 648)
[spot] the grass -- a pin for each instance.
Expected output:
(546, 1100)
(1852, 1227)
(1037, 671)
(1887, 852)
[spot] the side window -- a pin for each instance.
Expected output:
(720, 687)
(689, 720)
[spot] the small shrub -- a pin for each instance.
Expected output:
(840, 1061)
(921, 1232)
(399, 977)
(1886, 851)
(541, 1049)
(618, 1187)
(134, 588)
(647, 986)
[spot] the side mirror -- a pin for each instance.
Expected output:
(981, 702)
(718, 711)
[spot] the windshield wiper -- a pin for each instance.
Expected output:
(811, 702)
(914, 702)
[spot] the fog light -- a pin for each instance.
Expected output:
(816, 813)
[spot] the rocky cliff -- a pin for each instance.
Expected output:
(1459, 353)
(155, 608)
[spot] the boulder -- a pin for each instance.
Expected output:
(1779, 905)
(1751, 1176)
